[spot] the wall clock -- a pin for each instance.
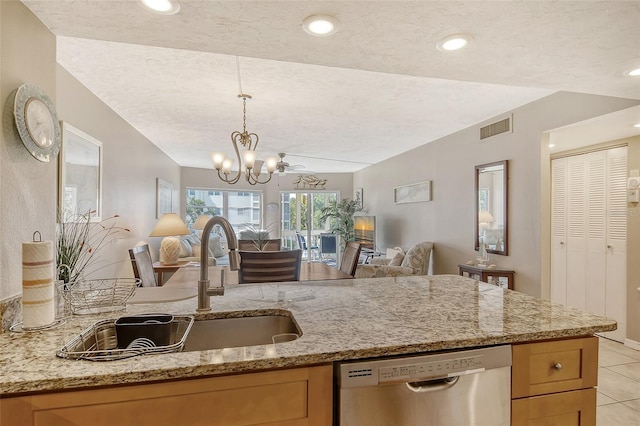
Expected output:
(37, 122)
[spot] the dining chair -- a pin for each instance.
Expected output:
(143, 265)
(269, 266)
(302, 245)
(350, 258)
(329, 248)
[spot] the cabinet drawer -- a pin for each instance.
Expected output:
(556, 366)
(574, 408)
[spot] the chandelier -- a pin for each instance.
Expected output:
(247, 162)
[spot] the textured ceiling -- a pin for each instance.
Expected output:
(376, 88)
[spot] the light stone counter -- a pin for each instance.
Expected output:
(342, 319)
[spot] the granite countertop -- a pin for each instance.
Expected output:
(340, 320)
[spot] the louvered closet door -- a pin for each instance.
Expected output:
(588, 208)
(595, 211)
(576, 233)
(559, 231)
(616, 247)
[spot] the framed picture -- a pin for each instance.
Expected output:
(164, 194)
(79, 176)
(357, 197)
(414, 193)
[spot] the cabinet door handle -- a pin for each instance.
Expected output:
(557, 366)
(561, 243)
(609, 246)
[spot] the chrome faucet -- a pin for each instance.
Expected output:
(204, 290)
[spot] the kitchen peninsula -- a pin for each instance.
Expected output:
(340, 320)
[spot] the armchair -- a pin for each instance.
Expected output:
(415, 262)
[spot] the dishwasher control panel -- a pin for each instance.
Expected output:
(430, 370)
(422, 367)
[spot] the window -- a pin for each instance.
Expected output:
(239, 208)
(301, 211)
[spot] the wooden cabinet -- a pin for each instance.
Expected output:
(562, 409)
(553, 382)
(294, 397)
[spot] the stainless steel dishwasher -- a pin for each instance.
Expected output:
(462, 388)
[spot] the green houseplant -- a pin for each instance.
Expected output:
(340, 214)
(258, 235)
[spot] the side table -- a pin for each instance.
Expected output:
(496, 276)
(161, 268)
(369, 254)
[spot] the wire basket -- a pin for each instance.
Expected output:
(99, 342)
(98, 296)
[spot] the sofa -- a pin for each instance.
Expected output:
(414, 262)
(190, 249)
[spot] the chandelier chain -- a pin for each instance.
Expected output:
(244, 114)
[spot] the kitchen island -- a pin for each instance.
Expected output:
(340, 320)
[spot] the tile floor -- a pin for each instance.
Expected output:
(618, 385)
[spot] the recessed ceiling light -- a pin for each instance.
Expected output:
(454, 42)
(320, 25)
(551, 145)
(634, 73)
(637, 125)
(163, 7)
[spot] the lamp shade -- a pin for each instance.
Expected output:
(485, 217)
(201, 221)
(168, 225)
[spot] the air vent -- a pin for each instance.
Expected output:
(502, 126)
(360, 373)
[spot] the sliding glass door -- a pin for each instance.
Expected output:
(300, 221)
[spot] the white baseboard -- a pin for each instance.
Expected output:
(632, 344)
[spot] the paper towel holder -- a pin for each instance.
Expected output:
(18, 326)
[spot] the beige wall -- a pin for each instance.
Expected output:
(208, 178)
(449, 162)
(27, 186)
(633, 250)
(131, 165)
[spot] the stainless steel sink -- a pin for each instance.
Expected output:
(248, 330)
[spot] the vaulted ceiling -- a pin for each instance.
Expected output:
(374, 89)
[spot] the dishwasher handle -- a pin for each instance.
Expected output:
(439, 384)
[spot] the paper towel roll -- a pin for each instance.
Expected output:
(38, 309)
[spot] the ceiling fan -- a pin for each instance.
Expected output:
(283, 167)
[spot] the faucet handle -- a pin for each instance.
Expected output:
(234, 260)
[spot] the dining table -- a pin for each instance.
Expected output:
(183, 284)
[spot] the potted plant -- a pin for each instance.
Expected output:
(341, 214)
(259, 237)
(78, 242)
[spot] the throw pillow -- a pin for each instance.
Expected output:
(410, 258)
(397, 260)
(185, 248)
(195, 248)
(391, 252)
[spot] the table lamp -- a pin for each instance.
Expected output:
(169, 226)
(485, 219)
(201, 221)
